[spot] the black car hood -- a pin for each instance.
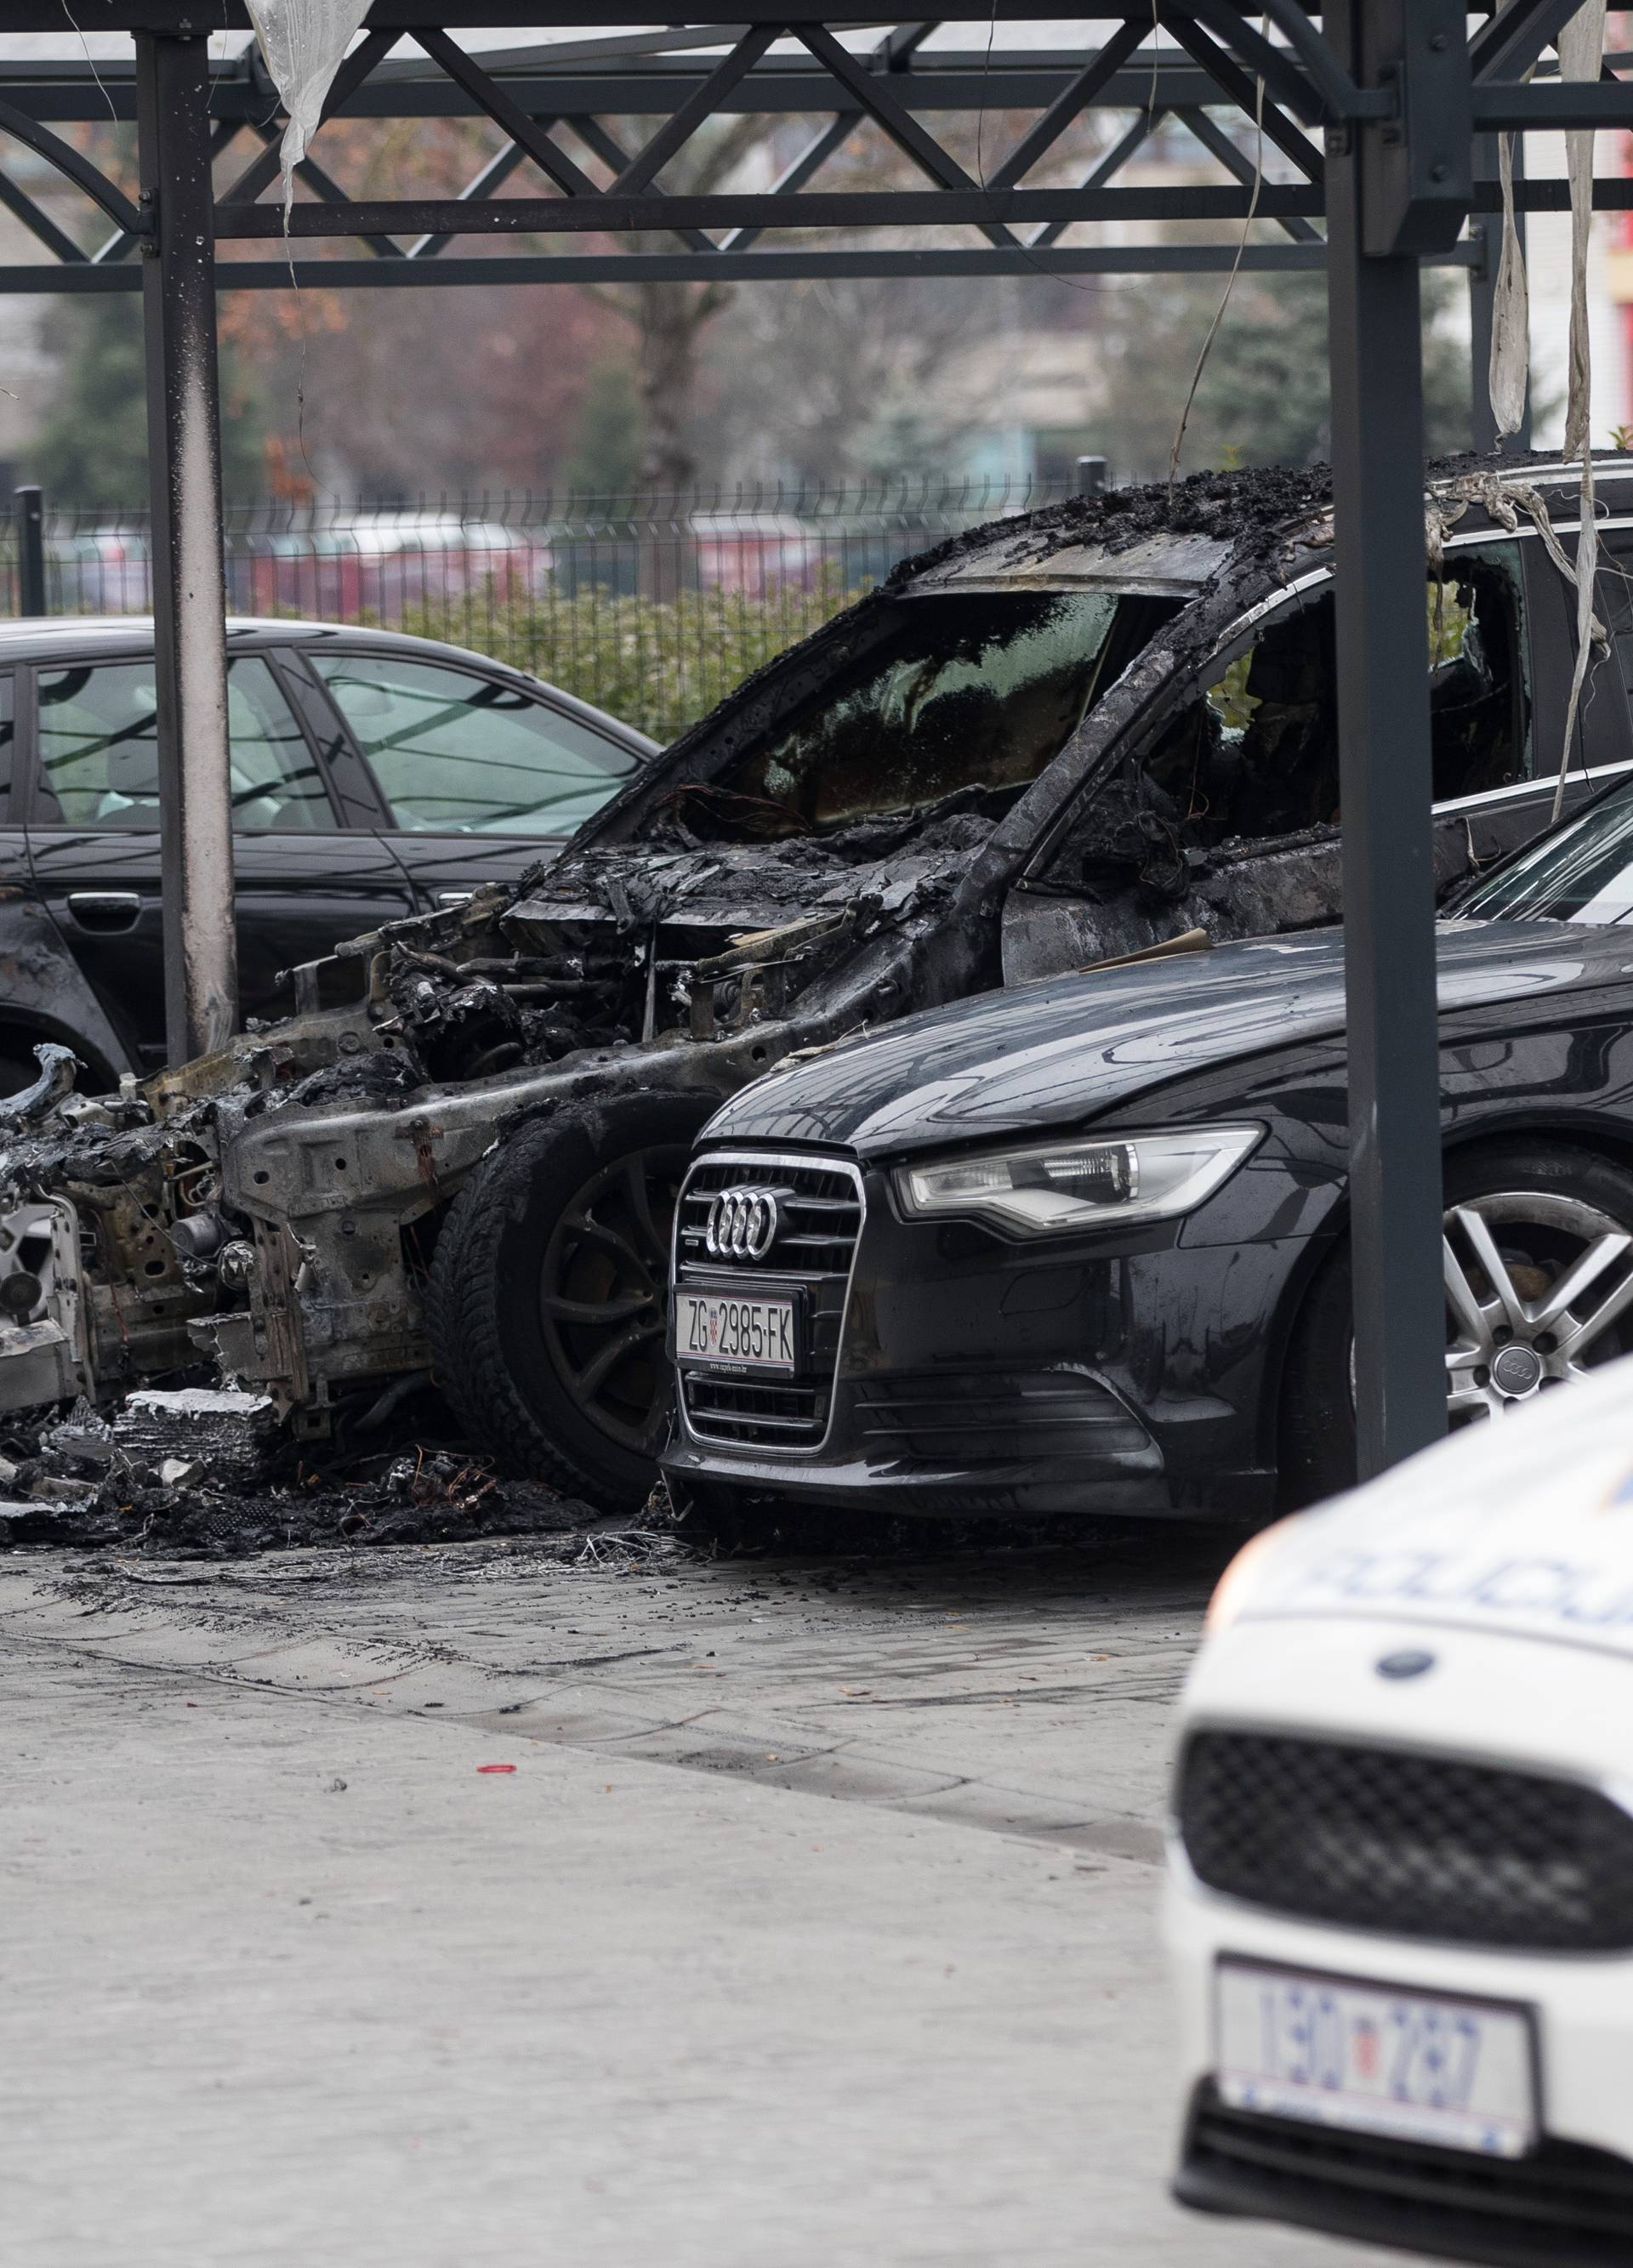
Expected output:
(1062, 1052)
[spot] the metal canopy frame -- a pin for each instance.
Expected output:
(551, 103)
(1382, 113)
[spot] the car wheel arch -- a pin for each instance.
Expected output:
(1588, 1135)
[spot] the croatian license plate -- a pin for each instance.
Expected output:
(1422, 2066)
(728, 1332)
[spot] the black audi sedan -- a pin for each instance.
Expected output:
(374, 776)
(1080, 1245)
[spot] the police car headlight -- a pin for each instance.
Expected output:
(1234, 1592)
(1057, 1189)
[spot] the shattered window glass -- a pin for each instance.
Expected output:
(1479, 703)
(98, 748)
(972, 691)
(455, 754)
(1256, 754)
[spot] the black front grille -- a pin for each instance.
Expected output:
(972, 1418)
(1563, 2205)
(753, 1409)
(818, 1215)
(1417, 1845)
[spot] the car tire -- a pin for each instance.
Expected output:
(547, 1304)
(1544, 1204)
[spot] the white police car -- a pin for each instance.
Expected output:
(1401, 1899)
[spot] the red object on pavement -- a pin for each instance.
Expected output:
(496, 1767)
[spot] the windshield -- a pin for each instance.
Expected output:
(1582, 872)
(970, 692)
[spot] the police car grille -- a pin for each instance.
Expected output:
(1412, 1844)
(818, 1215)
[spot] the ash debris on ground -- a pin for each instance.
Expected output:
(207, 1472)
(203, 1473)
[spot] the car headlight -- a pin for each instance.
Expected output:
(1235, 1589)
(1054, 1188)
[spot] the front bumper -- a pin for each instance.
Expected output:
(1559, 1712)
(974, 1377)
(1570, 2201)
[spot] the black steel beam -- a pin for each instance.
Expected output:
(184, 17)
(806, 166)
(654, 86)
(1552, 108)
(1090, 201)
(1110, 165)
(190, 593)
(676, 131)
(1233, 86)
(501, 107)
(1385, 792)
(1085, 89)
(611, 214)
(345, 274)
(487, 183)
(1516, 36)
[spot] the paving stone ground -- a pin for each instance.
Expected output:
(814, 1926)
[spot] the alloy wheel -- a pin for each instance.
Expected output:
(1539, 1290)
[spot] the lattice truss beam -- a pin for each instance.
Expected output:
(980, 156)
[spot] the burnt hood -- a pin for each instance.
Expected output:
(1062, 1053)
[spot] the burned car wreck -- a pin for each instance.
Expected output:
(1061, 740)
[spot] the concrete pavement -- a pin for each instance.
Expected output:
(815, 1923)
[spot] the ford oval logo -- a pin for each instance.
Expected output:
(1409, 1663)
(742, 1223)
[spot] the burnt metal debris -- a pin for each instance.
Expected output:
(872, 825)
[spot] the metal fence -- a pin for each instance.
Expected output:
(652, 607)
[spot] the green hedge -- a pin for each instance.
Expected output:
(658, 663)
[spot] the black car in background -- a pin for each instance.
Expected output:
(374, 776)
(1081, 1246)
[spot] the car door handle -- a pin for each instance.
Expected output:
(105, 910)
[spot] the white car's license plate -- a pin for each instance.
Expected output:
(727, 1332)
(1424, 2066)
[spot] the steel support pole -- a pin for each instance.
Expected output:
(28, 518)
(1374, 317)
(190, 593)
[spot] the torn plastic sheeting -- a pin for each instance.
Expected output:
(305, 42)
(1511, 311)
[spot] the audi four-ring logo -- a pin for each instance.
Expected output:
(742, 1223)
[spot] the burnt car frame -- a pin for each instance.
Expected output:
(1060, 740)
